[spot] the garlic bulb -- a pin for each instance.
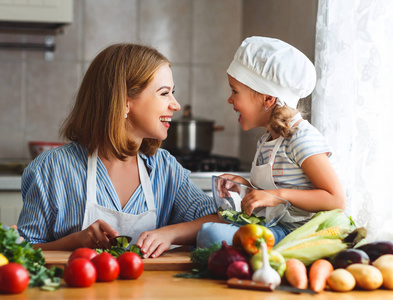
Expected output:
(266, 274)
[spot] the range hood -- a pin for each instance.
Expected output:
(35, 16)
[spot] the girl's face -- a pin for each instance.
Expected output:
(151, 112)
(249, 107)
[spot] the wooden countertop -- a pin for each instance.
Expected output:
(163, 285)
(158, 282)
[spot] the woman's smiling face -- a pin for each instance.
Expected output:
(150, 114)
(247, 105)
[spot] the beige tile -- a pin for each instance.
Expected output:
(108, 22)
(50, 89)
(165, 24)
(225, 144)
(11, 54)
(216, 30)
(210, 94)
(11, 110)
(181, 78)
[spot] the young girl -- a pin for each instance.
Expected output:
(113, 178)
(291, 165)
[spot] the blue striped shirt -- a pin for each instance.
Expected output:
(54, 193)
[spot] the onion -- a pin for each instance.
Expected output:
(220, 259)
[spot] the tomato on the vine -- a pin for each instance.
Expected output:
(80, 272)
(14, 278)
(107, 267)
(87, 253)
(131, 265)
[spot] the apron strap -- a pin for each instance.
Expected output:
(146, 183)
(91, 186)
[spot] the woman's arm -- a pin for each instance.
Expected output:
(327, 195)
(154, 243)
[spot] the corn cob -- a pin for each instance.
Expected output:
(313, 248)
(330, 233)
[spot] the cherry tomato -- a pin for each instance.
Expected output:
(14, 278)
(80, 272)
(87, 253)
(131, 265)
(107, 267)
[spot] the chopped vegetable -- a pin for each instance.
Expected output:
(250, 236)
(115, 251)
(239, 218)
(320, 270)
(296, 273)
(21, 251)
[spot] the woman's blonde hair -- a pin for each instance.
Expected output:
(97, 119)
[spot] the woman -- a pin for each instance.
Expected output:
(112, 179)
(291, 173)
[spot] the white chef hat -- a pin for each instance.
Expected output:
(273, 67)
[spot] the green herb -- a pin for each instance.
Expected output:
(21, 251)
(200, 256)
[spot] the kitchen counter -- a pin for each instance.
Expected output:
(158, 281)
(10, 182)
(163, 285)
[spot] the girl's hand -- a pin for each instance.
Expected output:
(153, 243)
(235, 178)
(97, 235)
(258, 198)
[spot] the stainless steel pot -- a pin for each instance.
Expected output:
(190, 136)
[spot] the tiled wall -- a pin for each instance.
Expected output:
(200, 38)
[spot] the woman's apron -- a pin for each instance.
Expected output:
(123, 223)
(261, 177)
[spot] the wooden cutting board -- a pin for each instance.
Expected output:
(177, 259)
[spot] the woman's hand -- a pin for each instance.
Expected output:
(259, 198)
(153, 243)
(97, 235)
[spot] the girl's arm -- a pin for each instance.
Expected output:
(327, 195)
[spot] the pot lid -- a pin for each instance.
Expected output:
(187, 117)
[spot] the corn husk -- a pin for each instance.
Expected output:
(322, 236)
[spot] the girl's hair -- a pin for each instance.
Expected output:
(280, 120)
(97, 119)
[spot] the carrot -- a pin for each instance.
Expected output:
(319, 273)
(296, 273)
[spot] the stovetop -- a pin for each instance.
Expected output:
(210, 163)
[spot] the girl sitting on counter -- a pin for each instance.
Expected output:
(112, 178)
(267, 78)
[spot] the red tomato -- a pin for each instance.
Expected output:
(107, 267)
(14, 278)
(131, 265)
(87, 253)
(80, 272)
